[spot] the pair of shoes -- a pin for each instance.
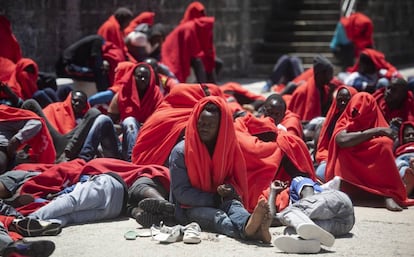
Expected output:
(39, 248)
(32, 227)
(159, 206)
(166, 234)
(192, 233)
(314, 232)
(295, 244)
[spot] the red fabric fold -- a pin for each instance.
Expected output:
(194, 10)
(10, 47)
(370, 165)
(406, 112)
(144, 17)
(111, 31)
(227, 165)
(404, 148)
(42, 146)
(24, 83)
(359, 29)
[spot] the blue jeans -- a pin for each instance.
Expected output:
(130, 129)
(320, 171)
(229, 220)
(102, 133)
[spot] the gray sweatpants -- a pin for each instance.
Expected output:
(99, 198)
(331, 209)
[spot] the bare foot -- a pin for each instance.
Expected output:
(408, 179)
(391, 205)
(264, 232)
(256, 219)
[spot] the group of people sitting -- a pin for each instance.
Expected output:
(232, 161)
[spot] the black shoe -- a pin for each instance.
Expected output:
(157, 206)
(32, 227)
(147, 219)
(39, 248)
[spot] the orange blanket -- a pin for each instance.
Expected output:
(227, 165)
(369, 165)
(42, 148)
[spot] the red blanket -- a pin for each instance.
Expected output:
(161, 131)
(226, 165)
(263, 158)
(113, 55)
(406, 112)
(193, 39)
(61, 115)
(378, 58)
(130, 103)
(42, 149)
(55, 178)
(359, 29)
(369, 165)
(144, 17)
(111, 31)
(324, 138)
(403, 148)
(10, 48)
(194, 10)
(22, 82)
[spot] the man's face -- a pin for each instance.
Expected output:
(79, 101)
(275, 110)
(395, 94)
(408, 134)
(208, 126)
(142, 77)
(342, 99)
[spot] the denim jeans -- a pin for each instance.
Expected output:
(320, 171)
(130, 129)
(229, 220)
(102, 133)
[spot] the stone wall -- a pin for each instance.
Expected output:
(45, 27)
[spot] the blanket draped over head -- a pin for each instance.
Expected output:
(369, 165)
(130, 103)
(42, 146)
(144, 17)
(55, 177)
(407, 147)
(324, 137)
(163, 128)
(263, 159)
(405, 112)
(192, 39)
(110, 30)
(226, 165)
(359, 30)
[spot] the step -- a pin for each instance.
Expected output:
(304, 15)
(288, 47)
(313, 5)
(271, 58)
(302, 25)
(298, 36)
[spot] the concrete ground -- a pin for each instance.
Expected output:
(377, 232)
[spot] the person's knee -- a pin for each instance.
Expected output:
(130, 124)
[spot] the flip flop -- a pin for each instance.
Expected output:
(131, 235)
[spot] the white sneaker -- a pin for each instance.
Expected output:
(313, 231)
(295, 244)
(334, 184)
(166, 234)
(192, 233)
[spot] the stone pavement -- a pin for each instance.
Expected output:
(377, 232)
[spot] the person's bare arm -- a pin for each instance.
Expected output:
(349, 139)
